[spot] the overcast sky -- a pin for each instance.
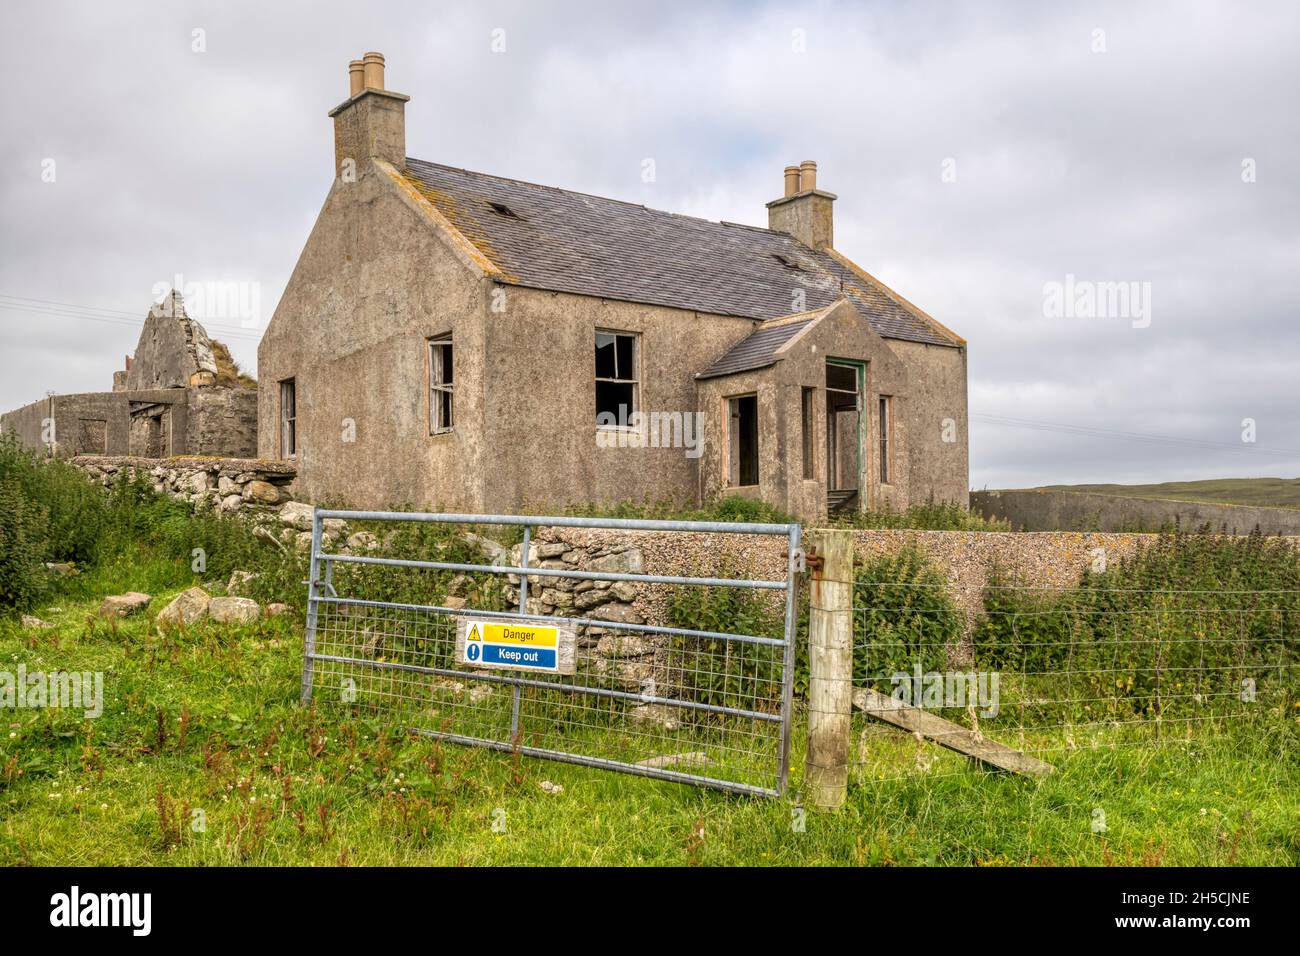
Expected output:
(980, 152)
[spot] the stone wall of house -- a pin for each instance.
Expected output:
(222, 421)
(228, 484)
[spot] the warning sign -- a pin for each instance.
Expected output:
(516, 644)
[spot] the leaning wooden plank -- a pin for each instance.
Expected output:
(945, 733)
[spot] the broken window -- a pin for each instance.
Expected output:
(288, 419)
(440, 385)
(616, 377)
(742, 440)
(886, 425)
(807, 419)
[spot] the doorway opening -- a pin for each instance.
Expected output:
(844, 384)
(742, 441)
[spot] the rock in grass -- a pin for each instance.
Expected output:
(122, 605)
(234, 610)
(189, 607)
(551, 788)
(277, 610)
(658, 715)
(239, 582)
(35, 623)
(297, 514)
(663, 762)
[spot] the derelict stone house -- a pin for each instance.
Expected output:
(458, 340)
(179, 394)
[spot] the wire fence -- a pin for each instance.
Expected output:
(690, 704)
(1048, 672)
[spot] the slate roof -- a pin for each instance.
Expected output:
(757, 350)
(564, 241)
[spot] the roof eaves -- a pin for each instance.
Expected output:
(708, 374)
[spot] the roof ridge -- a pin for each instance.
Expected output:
(586, 195)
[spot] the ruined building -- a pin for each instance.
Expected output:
(455, 339)
(180, 394)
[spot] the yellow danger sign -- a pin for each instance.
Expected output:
(518, 635)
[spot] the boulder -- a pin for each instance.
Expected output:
(693, 759)
(454, 602)
(35, 623)
(658, 715)
(122, 605)
(239, 583)
(263, 493)
(226, 486)
(336, 526)
(277, 610)
(188, 607)
(297, 514)
(234, 610)
(231, 503)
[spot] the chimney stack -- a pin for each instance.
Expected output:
(371, 123)
(804, 211)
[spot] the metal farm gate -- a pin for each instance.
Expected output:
(577, 683)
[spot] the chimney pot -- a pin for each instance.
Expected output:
(374, 70)
(356, 77)
(807, 176)
(791, 180)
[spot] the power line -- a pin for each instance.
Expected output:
(111, 316)
(58, 308)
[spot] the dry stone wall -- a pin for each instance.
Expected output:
(228, 484)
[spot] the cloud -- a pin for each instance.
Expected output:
(1123, 165)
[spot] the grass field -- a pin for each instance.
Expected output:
(1263, 492)
(204, 728)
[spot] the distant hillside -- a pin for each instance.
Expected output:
(1264, 492)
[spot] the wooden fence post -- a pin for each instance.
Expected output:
(830, 666)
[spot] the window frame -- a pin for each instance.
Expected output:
(288, 417)
(808, 422)
(634, 381)
(885, 413)
(439, 384)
